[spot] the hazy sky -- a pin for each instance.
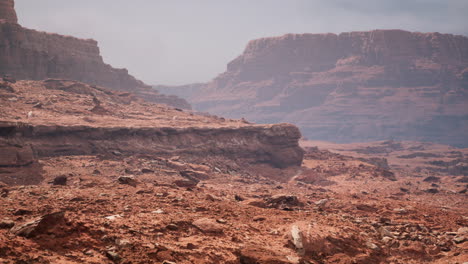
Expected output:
(186, 41)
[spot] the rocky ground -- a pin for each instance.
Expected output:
(112, 203)
(147, 210)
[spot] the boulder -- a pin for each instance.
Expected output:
(186, 183)
(41, 225)
(209, 226)
(311, 239)
(128, 180)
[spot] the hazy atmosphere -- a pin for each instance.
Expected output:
(307, 148)
(178, 42)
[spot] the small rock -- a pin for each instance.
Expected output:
(432, 190)
(210, 197)
(322, 202)
(238, 198)
(128, 180)
(60, 180)
(296, 237)
(186, 183)
(123, 242)
(372, 246)
(38, 105)
(208, 226)
(172, 227)
(386, 240)
(22, 212)
(168, 262)
(6, 224)
(191, 246)
(282, 201)
(384, 232)
(112, 255)
(113, 217)
(221, 221)
(404, 190)
(159, 211)
(462, 230)
(400, 210)
(459, 239)
(259, 218)
(117, 153)
(147, 171)
(89, 252)
(194, 175)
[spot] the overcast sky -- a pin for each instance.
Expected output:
(186, 41)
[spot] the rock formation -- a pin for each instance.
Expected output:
(51, 118)
(30, 54)
(350, 87)
(7, 11)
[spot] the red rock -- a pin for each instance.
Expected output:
(351, 87)
(35, 55)
(208, 226)
(40, 225)
(256, 255)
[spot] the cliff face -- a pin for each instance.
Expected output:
(7, 11)
(30, 54)
(354, 86)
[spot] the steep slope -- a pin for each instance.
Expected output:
(33, 55)
(350, 87)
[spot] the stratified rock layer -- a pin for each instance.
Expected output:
(32, 55)
(7, 11)
(350, 87)
(54, 118)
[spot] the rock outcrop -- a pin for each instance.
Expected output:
(350, 87)
(275, 145)
(7, 11)
(32, 55)
(55, 118)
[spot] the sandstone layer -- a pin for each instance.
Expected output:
(41, 119)
(357, 86)
(32, 55)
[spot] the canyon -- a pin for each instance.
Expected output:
(97, 167)
(351, 87)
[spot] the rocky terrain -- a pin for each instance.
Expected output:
(28, 54)
(95, 167)
(351, 87)
(91, 175)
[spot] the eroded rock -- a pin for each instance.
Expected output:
(41, 225)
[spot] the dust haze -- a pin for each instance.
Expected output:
(179, 42)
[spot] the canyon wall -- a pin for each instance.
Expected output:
(7, 11)
(33, 55)
(357, 86)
